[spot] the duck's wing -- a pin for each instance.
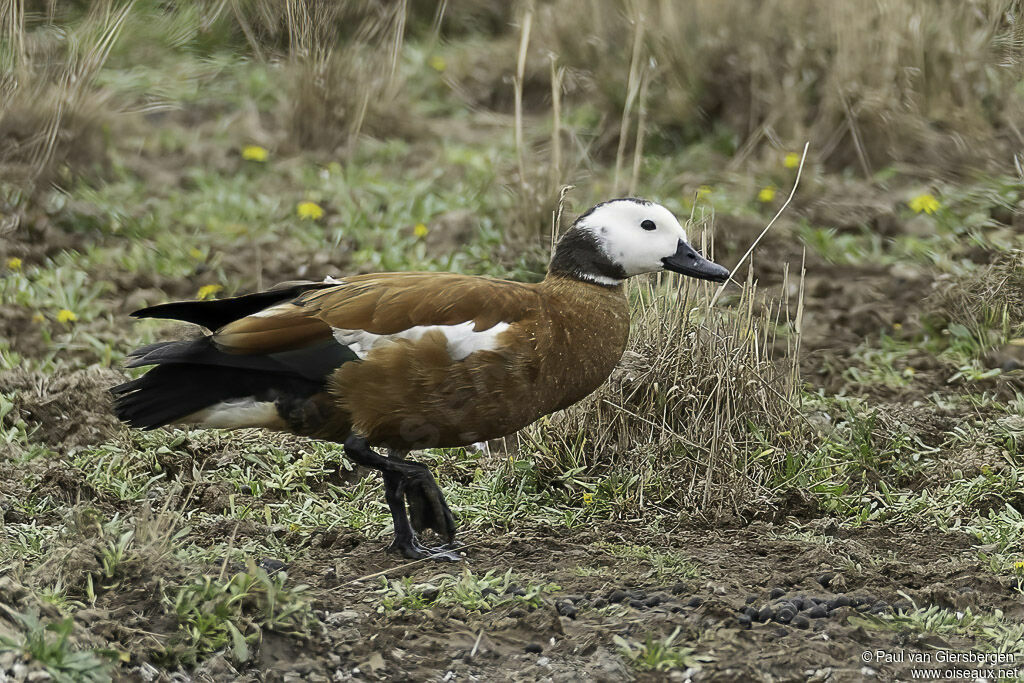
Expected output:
(365, 310)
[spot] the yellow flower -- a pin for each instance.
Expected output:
(588, 498)
(420, 230)
(66, 316)
(208, 291)
(310, 211)
(792, 160)
(908, 372)
(254, 153)
(1019, 565)
(14, 263)
(38, 318)
(703, 191)
(437, 63)
(196, 254)
(924, 203)
(766, 194)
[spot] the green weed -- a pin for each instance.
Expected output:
(49, 644)
(215, 614)
(659, 654)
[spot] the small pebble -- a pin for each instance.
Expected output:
(617, 595)
(785, 615)
(675, 608)
(765, 613)
(749, 611)
(567, 609)
(270, 565)
(694, 602)
(776, 593)
(750, 598)
(543, 661)
(838, 601)
(637, 594)
(801, 621)
(817, 612)
(534, 648)
(825, 579)
(600, 602)
(637, 604)
(680, 587)
(745, 621)
(652, 601)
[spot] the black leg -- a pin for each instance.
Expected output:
(427, 507)
(398, 477)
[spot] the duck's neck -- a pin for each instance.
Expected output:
(578, 256)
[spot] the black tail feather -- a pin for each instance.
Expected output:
(217, 313)
(192, 375)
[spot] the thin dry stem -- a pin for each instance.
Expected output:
(524, 44)
(739, 264)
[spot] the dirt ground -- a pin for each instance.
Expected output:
(835, 579)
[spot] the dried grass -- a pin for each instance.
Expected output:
(989, 303)
(340, 89)
(541, 173)
(52, 113)
(699, 413)
(915, 82)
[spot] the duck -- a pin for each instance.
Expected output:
(403, 361)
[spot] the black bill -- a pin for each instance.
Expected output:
(688, 262)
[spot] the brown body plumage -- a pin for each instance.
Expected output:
(413, 393)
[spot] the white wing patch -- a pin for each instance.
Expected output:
(463, 340)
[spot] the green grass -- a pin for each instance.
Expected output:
(471, 591)
(661, 566)
(994, 631)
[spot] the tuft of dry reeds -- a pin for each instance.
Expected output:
(923, 83)
(339, 87)
(535, 186)
(700, 412)
(52, 113)
(988, 303)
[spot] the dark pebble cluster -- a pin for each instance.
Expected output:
(802, 611)
(777, 607)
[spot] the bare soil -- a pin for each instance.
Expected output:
(749, 565)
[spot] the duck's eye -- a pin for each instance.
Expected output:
(648, 225)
